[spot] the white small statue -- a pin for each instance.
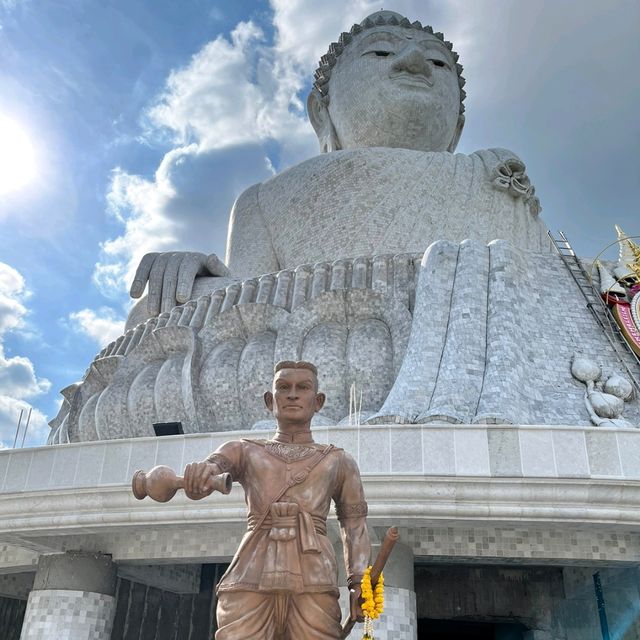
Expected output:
(604, 396)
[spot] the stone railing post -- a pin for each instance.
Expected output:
(399, 620)
(72, 597)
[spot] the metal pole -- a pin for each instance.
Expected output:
(26, 426)
(604, 626)
(18, 429)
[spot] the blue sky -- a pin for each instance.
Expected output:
(146, 119)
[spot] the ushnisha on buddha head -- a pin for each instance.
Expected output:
(388, 82)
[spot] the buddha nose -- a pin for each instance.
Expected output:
(412, 60)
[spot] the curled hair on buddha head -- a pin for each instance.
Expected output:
(296, 364)
(378, 19)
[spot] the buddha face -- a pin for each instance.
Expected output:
(395, 87)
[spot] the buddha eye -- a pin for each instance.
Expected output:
(380, 53)
(439, 63)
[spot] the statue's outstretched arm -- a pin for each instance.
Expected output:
(199, 477)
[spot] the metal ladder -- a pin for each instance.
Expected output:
(599, 309)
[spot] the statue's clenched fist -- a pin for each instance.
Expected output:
(199, 479)
(171, 276)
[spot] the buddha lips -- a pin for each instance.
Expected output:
(373, 604)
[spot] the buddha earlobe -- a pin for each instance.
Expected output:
(318, 111)
(458, 132)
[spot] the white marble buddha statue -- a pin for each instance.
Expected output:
(417, 279)
(387, 107)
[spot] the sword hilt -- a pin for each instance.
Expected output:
(391, 537)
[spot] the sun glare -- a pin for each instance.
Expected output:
(17, 157)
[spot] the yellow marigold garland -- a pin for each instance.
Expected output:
(373, 604)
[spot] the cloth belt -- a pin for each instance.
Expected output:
(286, 519)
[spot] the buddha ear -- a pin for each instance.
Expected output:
(458, 132)
(318, 110)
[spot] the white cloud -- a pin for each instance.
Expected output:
(304, 32)
(11, 308)
(238, 91)
(215, 94)
(102, 326)
(18, 379)
(11, 282)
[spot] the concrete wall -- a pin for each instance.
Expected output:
(147, 613)
(553, 603)
(490, 594)
(11, 617)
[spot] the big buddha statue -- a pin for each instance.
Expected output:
(387, 106)
(418, 280)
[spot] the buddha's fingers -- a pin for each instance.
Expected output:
(191, 265)
(216, 267)
(170, 281)
(156, 280)
(142, 275)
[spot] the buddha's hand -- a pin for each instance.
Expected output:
(171, 277)
(198, 479)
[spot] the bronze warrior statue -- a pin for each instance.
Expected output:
(282, 582)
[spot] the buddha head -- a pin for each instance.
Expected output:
(388, 83)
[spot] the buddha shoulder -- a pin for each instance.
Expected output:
(370, 172)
